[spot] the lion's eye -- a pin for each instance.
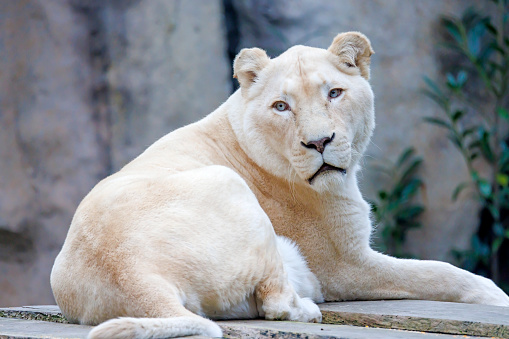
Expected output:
(281, 106)
(336, 92)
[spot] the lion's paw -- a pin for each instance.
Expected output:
(308, 312)
(486, 292)
(303, 309)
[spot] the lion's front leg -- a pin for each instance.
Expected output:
(360, 273)
(377, 276)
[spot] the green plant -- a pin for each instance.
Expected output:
(476, 115)
(394, 209)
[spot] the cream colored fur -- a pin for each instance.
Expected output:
(188, 229)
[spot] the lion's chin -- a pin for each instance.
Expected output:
(325, 168)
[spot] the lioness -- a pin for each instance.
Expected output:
(188, 229)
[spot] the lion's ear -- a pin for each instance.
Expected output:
(353, 49)
(248, 63)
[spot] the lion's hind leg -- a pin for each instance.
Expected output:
(158, 313)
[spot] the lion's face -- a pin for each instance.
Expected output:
(308, 114)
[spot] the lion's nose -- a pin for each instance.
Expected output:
(319, 145)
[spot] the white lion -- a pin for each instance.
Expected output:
(187, 231)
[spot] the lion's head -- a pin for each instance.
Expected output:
(308, 114)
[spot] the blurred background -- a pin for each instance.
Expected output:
(85, 86)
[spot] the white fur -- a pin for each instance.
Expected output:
(139, 328)
(187, 231)
(300, 277)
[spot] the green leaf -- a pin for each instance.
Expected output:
(485, 54)
(503, 113)
(455, 140)
(457, 115)
(469, 131)
(496, 244)
(489, 26)
(409, 212)
(433, 86)
(502, 179)
(451, 27)
(495, 46)
(461, 78)
(495, 212)
(498, 229)
(485, 145)
(484, 188)
(393, 205)
(475, 176)
(438, 121)
(474, 39)
(506, 234)
(451, 81)
(440, 100)
(458, 190)
(474, 144)
(407, 154)
(411, 169)
(411, 189)
(496, 67)
(504, 159)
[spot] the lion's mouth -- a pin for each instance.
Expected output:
(326, 167)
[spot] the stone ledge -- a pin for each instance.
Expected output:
(362, 319)
(294, 330)
(421, 315)
(41, 312)
(11, 328)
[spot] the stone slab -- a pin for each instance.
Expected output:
(20, 328)
(420, 315)
(11, 328)
(370, 319)
(288, 329)
(417, 315)
(40, 312)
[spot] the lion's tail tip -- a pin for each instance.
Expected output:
(147, 328)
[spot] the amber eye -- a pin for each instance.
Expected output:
(336, 92)
(281, 106)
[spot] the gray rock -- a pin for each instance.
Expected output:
(167, 68)
(48, 141)
(85, 87)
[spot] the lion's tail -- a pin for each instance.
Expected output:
(155, 328)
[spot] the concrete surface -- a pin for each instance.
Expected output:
(421, 315)
(366, 319)
(28, 329)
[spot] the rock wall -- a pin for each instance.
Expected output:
(85, 86)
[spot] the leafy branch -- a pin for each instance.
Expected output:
(394, 209)
(481, 42)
